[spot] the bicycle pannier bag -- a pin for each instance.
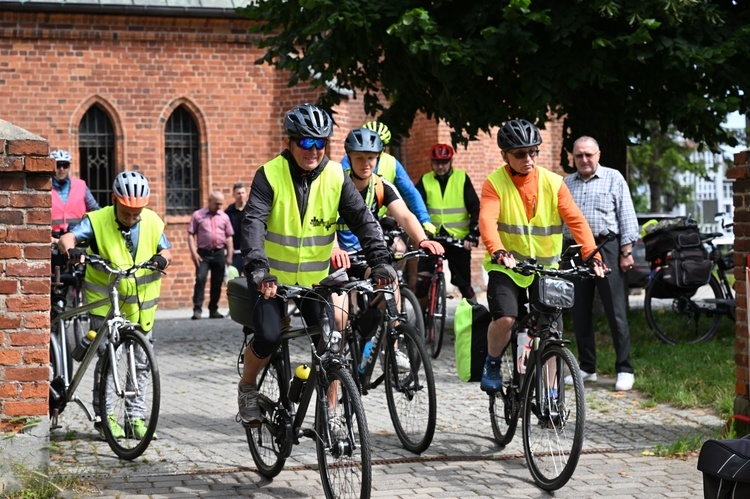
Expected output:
(239, 302)
(726, 468)
(690, 266)
(470, 326)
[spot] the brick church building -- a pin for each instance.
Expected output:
(170, 88)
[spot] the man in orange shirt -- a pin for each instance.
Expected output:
(520, 217)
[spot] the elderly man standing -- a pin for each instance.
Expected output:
(603, 196)
(211, 248)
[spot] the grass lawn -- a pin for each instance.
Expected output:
(685, 376)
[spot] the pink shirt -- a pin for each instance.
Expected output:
(212, 229)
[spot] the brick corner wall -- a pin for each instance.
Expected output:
(741, 173)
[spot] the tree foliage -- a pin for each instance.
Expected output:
(607, 66)
(657, 163)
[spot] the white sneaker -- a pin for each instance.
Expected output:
(402, 361)
(584, 377)
(624, 382)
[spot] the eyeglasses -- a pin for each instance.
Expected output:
(64, 166)
(308, 143)
(522, 154)
(586, 155)
(128, 240)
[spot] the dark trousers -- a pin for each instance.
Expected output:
(215, 261)
(612, 292)
(267, 315)
(459, 262)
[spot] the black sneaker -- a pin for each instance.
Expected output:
(196, 315)
(215, 315)
(247, 400)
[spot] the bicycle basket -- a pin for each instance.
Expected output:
(556, 292)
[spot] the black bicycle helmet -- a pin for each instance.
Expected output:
(363, 140)
(515, 134)
(308, 121)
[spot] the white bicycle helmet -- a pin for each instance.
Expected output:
(131, 189)
(61, 156)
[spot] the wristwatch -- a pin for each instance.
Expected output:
(626, 253)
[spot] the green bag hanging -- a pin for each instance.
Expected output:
(470, 326)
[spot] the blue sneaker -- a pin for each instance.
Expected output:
(492, 379)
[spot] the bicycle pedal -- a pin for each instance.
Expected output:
(309, 433)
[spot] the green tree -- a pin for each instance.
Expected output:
(606, 66)
(657, 163)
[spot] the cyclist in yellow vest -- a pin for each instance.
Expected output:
(394, 172)
(288, 230)
(520, 217)
(453, 206)
(126, 233)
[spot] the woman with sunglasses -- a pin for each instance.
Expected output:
(71, 197)
(520, 217)
(288, 229)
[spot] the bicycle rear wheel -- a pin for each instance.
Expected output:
(264, 446)
(553, 421)
(504, 404)
(129, 395)
(343, 442)
(410, 394)
(679, 315)
(410, 307)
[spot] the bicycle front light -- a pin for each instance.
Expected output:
(334, 342)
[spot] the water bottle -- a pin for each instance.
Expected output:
(524, 349)
(366, 354)
(80, 350)
(298, 382)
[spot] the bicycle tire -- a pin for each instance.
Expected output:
(264, 446)
(504, 404)
(410, 306)
(343, 443)
(688, 316)
(133, 350)
(57, 381)
(413, 407)
(552, 442)
(439, 314)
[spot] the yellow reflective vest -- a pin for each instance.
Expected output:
(386, 168)
(540, 237)
(299, 251)
(139, 295)
(447, 209)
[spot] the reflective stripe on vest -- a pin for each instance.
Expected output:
(139, 296)
(447, 209)
(540, 237)
(70, 213)
(299, 251)
(386, 168)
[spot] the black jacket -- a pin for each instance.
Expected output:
(351, 207)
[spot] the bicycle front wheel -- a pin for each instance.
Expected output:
(129, 395)
(553, 420)
(343, 442)
(434, 319)
(504, 404)
(264, 446)
(410, 389)
(678, 315)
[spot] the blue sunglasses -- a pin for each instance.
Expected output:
(307, 143)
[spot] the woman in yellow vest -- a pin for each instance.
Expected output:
(288, 230)
(453, 206)
(520, 217)
(126, 233)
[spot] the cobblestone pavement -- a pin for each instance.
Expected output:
(202, 451)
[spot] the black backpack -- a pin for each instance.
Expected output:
(726, 468)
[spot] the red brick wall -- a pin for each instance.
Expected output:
(53, 67)
(25, 169)
(741, 174)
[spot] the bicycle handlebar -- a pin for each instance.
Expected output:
(530, 267)
(94, 259)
